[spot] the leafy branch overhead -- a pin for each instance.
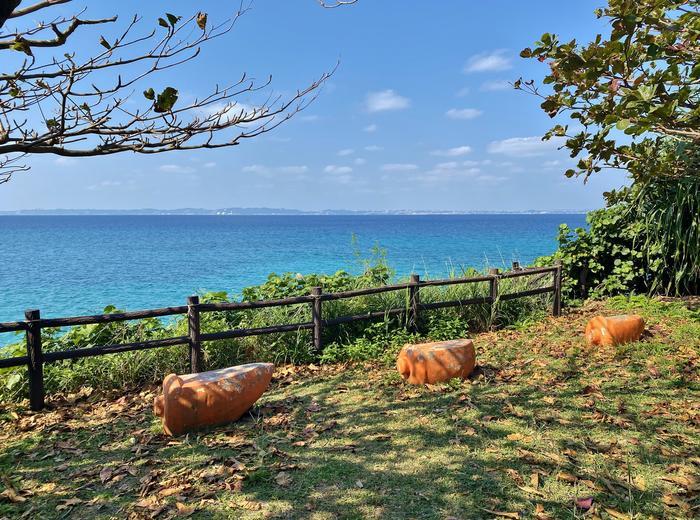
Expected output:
(53, 101)
(627, 93)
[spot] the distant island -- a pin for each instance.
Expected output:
(272, 211)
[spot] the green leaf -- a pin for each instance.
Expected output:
(13, 381)
(163, 23)
(22, 46)
(166, 100)
(149, 94)
(172, 19)
(105, 43)
(202, 20)
(622, 124)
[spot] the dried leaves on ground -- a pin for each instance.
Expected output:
(545, 429)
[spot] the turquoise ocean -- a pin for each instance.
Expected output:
(72, 265)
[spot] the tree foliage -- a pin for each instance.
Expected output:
(646, 241)
(642, 80)
(60, 98)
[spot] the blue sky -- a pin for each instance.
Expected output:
(418, 115)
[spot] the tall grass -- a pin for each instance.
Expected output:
(352, 341)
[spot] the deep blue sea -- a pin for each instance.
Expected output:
(71, 265)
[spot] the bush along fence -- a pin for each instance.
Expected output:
(34, 323)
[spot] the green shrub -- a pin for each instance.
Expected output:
(355, 341)
(646, 241)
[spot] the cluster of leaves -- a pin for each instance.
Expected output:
(646, 241)
(642, 79)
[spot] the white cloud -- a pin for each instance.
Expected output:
(525, 146)
(360, 161)
(344, 179)
(267, 171)
(176, 168)
(106, 185)
(255, 168)
(293, 169)
(209, 165)
(373, 148)
(493, 179)
(230, 111)
(339, 170)
(451, 165)
(310, 118)
(463, 113)
(453, 152)
(385, 100)
(370, 128)
(346, 151)
(64, 161)
(399, 167)
(446, 172)
(497, 84)
(488, 61)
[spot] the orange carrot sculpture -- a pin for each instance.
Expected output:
(614, 330)
(436, 362)
(193, 401)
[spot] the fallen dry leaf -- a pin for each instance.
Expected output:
(184, 509)
(105, 474)
(12, 495)
(617, 514)
(283, 479)
(502, 514)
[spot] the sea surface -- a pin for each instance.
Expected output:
(72, 265)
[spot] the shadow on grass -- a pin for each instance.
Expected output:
(358, 443)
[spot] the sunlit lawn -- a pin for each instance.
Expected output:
(546, 424)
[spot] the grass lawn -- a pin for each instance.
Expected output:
(543, 427)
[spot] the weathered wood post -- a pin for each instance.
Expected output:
(493, 296)
(317, 318)
(36, 360)
(414, 302)
(196, 355)
(556, 305)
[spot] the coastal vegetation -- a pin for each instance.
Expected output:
(632, 99)
(646, 241)
(357, 341)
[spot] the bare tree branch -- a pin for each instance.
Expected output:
(105, 104)
(336, 3)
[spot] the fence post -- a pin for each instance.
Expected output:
(493, 296)
(516, 266)
(556, 305)
(36, 360)
(316, 317)
(414, 302)
(196, 356)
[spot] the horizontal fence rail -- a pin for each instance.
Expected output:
(33, 323)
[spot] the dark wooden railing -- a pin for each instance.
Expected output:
(34, 323)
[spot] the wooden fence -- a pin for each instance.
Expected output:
(34, 323)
